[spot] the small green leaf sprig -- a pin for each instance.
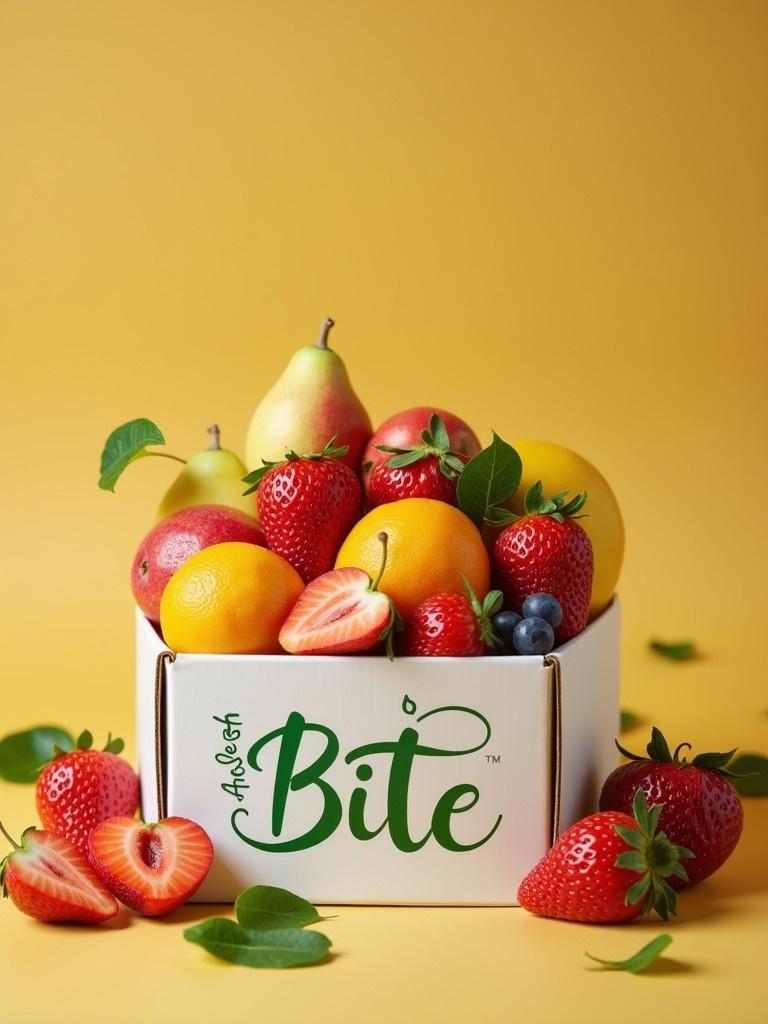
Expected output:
(681, 650)
(636, 963)
(127, 443)
(269, 931)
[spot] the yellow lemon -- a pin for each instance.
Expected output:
(229, 599)
(430, 545)
(561, 469)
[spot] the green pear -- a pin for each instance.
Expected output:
(310, 403)
(211, 477)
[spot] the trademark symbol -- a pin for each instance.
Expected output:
(493, 758)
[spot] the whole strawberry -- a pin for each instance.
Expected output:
(546, 551)
(80, 788)
(307, 505)
(702, 810)
(427, 470)
(607, 868)
(452, 625)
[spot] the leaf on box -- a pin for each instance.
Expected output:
(266, 907)
(124, 444)
(488, 479)
(284, 947)
(682, 650)
(639, 961)
(754, 768)
(22, 754)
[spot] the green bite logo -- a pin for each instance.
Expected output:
(289, 782)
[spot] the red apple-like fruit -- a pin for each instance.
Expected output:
(404, 430)
(173, 540)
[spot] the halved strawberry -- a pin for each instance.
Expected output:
(151, 868)
(341, 612)
(49, 879)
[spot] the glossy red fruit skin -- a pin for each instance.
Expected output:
(538, 554)
(702, 810)
(139, 893)
(306, 509)
(577, 880)
(48, 906)
(422, 479)
(443, 626)
(173, 540)
(79, 789)
(404, 430)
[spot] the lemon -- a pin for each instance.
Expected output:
(561, 469)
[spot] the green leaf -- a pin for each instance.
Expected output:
(125, 444)
(22, 754)
(407, 458)
(284, 947)
(756, 767)
(488, 479)
(658, 748)
(439, 433)
(266, 907)
(85, 740)
(682, 650)
(638, 961)
(713, 759)
(632, 860)
(628, 720)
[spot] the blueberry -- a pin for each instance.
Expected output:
(533, 636)
(543, 606)
(503, 624)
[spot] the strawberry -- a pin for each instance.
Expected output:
(49, 879)
(341, 612)
(452, 625)
(546, 551)
(151, 868)
(608, 867)
(702, 810)
(80, 788)
(426, 470)
(307, 505)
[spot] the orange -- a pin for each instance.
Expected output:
(229, 599)
(430, 545)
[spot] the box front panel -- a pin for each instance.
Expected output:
(357, 780)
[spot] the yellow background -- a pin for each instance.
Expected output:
(549, 217)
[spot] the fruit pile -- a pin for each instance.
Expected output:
(92, 850)
(340, 540)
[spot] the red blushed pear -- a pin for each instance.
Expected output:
(171, 542)
(405, 429)
(312, 401)
(342, 612)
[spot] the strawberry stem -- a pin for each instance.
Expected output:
(384, 540)
(325, 330)
(13, 842)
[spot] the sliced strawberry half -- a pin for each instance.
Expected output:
(48, 878)
(151, 868)
(341, 612)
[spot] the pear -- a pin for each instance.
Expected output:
(309, 404)
(211, 477)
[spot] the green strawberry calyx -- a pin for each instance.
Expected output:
(658, 750)
(536, 504)
(16, 848)
(484, 611)
(331, 451)
(436, 443)
(654, 857)
(85, 742)
(395, 624)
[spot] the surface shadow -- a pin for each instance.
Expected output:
(191, 913)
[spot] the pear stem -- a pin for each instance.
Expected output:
(383, 538)
(165, 455)
(214, 433)
(325, 330)
(13, 842)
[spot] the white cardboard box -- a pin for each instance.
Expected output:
(359, 780)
